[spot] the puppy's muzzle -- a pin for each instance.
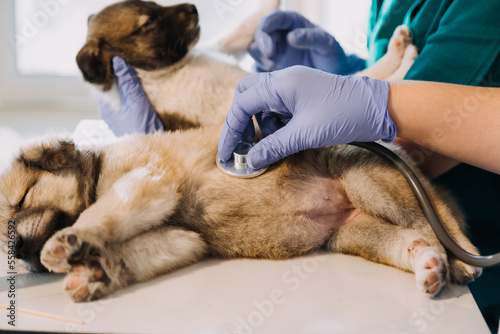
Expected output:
(183, 11)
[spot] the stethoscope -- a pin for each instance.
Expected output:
(236, 167)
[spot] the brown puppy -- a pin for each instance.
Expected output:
(187, 88)
(150, 36)
(146, 205)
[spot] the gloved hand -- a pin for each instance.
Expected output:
(317, 109)
(136, 113)
(285, 38)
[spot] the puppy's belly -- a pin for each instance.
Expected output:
(323, 208)
(294, 220)
(326, 203)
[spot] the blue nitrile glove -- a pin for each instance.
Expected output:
(136, 113)
(285, 38)
(317, 108)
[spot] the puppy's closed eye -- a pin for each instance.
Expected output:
(146, 20)
(20, 204)
(150, 21)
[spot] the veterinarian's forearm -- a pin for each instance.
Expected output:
(432, 164)
(460, 122)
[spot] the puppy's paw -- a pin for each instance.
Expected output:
(400, 40)
(462, 273)
(430, 267)
(410, 54)
(87, 282)
(64, 249)
(386, 66)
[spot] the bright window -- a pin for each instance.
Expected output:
(49, 33)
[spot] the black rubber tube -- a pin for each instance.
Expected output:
(428, 209)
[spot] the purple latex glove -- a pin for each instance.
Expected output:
(285, 38)
(317, 109)
(136, 113)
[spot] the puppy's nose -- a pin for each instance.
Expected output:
(20, 248)
(191, 9)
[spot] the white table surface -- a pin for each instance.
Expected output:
(323, 293)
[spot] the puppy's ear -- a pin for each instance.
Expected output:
(90, 19)
(95, 64)
(51, 155)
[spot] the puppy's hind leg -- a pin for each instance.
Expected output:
(97, 272)
(413, 250)
(392, 228)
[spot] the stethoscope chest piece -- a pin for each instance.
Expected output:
(237, 165)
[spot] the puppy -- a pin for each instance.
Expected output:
(187, 88)
(149, 204)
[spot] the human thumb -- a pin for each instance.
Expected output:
(312, 38)
(273, 148)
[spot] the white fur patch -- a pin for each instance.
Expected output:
(124, 185)
(153, 166)
(112, 97)
(122, 188)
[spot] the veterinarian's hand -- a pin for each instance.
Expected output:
(285, 38)
(136, 113)
(315, 109)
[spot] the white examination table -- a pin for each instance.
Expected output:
(323, 293)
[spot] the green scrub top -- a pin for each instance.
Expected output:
(459, 42)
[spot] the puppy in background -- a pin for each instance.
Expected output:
(187, 88)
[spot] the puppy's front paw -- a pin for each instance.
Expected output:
(70, 251)
(87, 283)
(430, 267)
(64, 249)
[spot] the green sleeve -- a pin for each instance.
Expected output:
(459, 45)
(385, 16)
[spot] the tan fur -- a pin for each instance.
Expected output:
(206, 83)
(161, 203)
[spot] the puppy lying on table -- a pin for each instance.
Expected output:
(149, 204)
